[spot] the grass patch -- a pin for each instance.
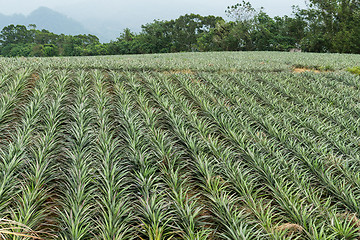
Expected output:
(325, 68)
(354, 70)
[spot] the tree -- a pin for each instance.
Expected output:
(333, 26)
(45, 37)
(241, 12)
(186, 29)
(86, 39)
(126, 35)
(50, 50)
(32, 26)
(157, 36)
(15, 34)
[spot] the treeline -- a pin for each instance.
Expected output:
(20, 41)
(325, 26)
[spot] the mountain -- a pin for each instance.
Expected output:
(46, 18)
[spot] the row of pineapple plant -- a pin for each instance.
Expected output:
(95, 154)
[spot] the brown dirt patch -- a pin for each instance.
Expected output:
(301, 70)
(291, 228)
(35, 76)
(33, 79)
(351, 217)
(183, 71)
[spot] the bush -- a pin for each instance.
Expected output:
(354, 70)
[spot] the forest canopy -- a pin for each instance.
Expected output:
(324, 26)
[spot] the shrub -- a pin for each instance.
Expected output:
(354, 70)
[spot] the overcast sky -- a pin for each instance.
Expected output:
(115, 15)
(109, 9)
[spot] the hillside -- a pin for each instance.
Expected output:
(46, 18)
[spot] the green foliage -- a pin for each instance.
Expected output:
(322, 27)
(16, 50)
(354, 70)
(46, 50)
(334, 26)
(314, 67)
(14, 35)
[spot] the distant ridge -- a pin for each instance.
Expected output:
(45, 18)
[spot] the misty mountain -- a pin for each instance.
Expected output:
(46, 18)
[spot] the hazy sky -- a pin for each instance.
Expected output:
(114, 15)
(108, 9)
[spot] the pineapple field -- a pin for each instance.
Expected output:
(227, 145)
